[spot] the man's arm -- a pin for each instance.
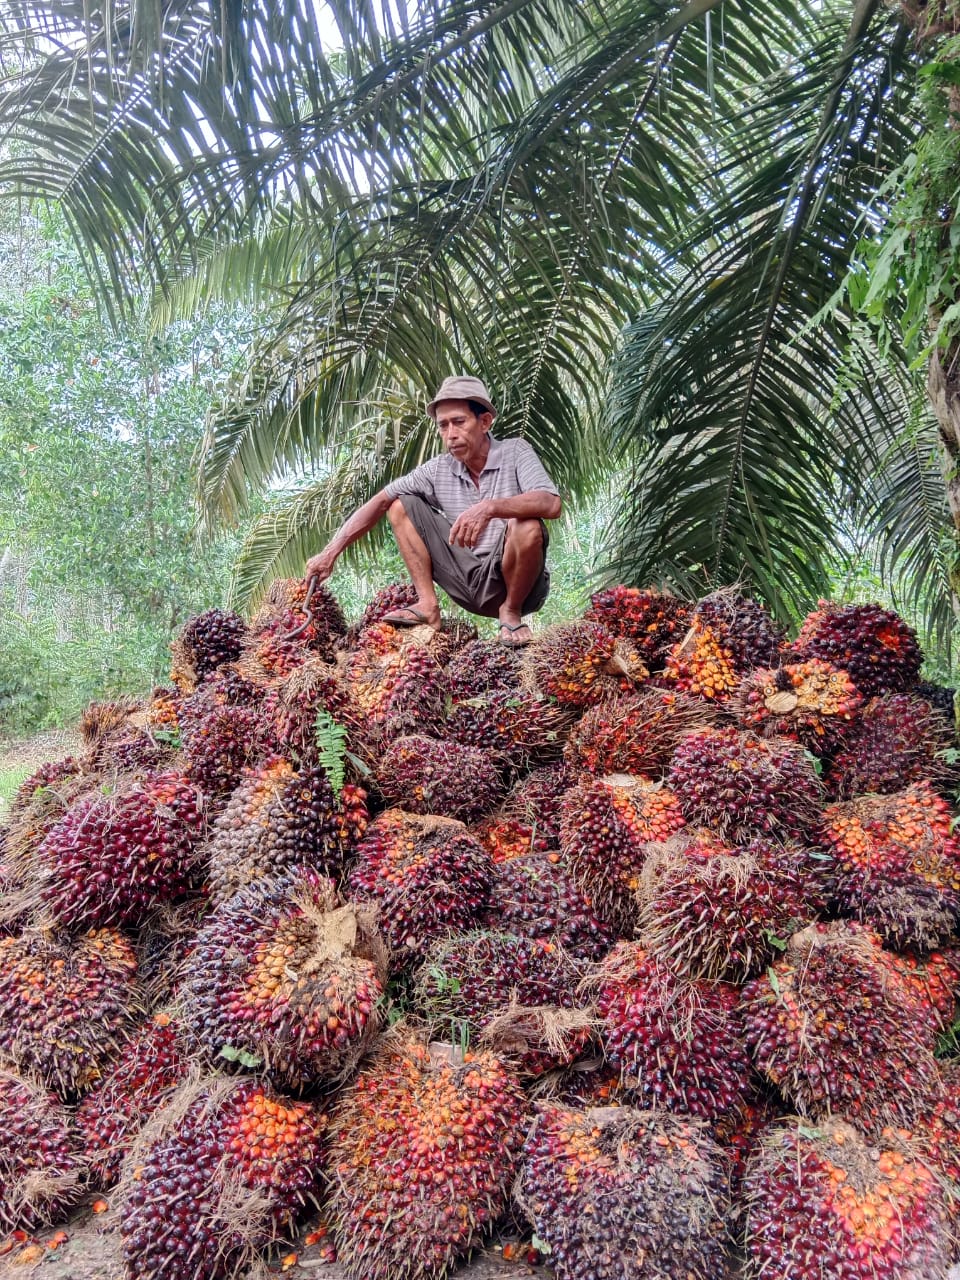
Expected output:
(362, 521)
(538, 504)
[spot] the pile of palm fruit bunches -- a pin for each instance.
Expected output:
(641, 940)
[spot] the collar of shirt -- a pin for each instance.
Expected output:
(492, 463)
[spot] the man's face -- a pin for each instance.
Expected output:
(461, 431)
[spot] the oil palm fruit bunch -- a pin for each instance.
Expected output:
(827, 1201)
(434, 776)
(424, 1146)
(738, 1132)
(930, 983)
(104, 723)
(66, 1007)
(205, 642)
(109, 1117)
(635, 733)
(290, 710)
(282, 636)
(701, 664)
(623, 1194)
(810, 701)
(284, 974)
(223, 1170)
(535, 800)
(428, 875)
(873, 644)
(678, 1044)
(742, 786)
(606, 827)
(709, 910)
(112, 858)
(218, 741)
(41, 1162)
(394, 683)
(516, 728)
(654, 622)
(830, 1026)
(40, 802)
(118, 739)
(938, 1132)
(535, 896)
(482, 667)
(897, 739)
(729, 635)
(161, 712)
(580, 663)
(395, 595)
(896, 864)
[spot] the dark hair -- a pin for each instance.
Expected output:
(476, 408)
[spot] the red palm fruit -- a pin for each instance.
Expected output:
(654, 622)
(205, 642)
(535, 800)
(430, 776)
(635, 733)
(590, 1083)
(873, 644)
(536, 897)
(223, 1170)
(112, 858)
(678, 1044)
(931, 983)
(161, 712)
(507, 838)
(516, 728)
(483, 667)
(149, 1067)
(811, 702)
(742, 786)
(896, 864)
(834, 1030)
(67, 1008)
(580, 663)
(606, 827)
(897, 739)
(826, 1201)
(218, 742)
(622, 1194)
(284, 974)
(701, 664)
(41, 1163)
(428, 875)
(394, 683)
(395, 595)
(745, 627)
(711, 911)
(424, 1147)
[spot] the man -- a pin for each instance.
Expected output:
(470, 520)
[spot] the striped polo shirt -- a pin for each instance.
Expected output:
(511, 468)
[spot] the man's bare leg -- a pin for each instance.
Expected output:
(416, 557)
(521, 565)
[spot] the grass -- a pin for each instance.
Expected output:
(10, 779)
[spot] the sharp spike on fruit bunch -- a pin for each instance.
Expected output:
(67, 1008)
(288, 976)
(483, 667)
(678, 1044)
(606, 828)
(222, 1170)
(101, 722)
(112, 858)
(635, 733)
(622, 1194)
(205, 643)
(428, 875)
(536, 897)
(424, 1147)
(580, 663)
(431, 776)
(507, 838)
(831, 1026)
(41, 1163)
(897, 739)
(149, 1067)
(393, 684)
(535, 800)
(826, 1201)
(873, 644)
(471, 980)
(742, 786)
(40, 802)
(811, 702)
(896, 864)
(711, 911)
(654, 622)
(516, 728)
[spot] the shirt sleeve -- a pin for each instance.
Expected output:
(420, 481)
(531, 473)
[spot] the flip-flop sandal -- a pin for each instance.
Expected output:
(505, 641)
(396, 619)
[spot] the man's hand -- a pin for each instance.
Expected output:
(320, 566)
(468, 527)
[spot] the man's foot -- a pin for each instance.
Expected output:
(514, 635)
(411, 616)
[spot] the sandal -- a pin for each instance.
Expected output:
(402, 618)
(507, 638)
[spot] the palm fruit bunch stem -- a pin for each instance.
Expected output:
(66, 1007)
(678, 1044)
(428, 875)
(874, 645)
(898, 738)
(810, 701)
(113, 857)
(41, 1163)
(433, 776)
(580, 663)
(220, 1171)
(711, 911)
(826, 1201)
(834, 1031)
(534, 800)
(896, 864)
(483, 667)
(516, 728)
(424, 1146)
(742, 786)
(635, 733)
(606, 828)
(622, 1194)
(205, 643)
(653, 622)
(287, 976)
(535, 896)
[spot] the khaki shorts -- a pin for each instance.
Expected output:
(475, 582)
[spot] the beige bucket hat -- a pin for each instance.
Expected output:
(461, 388)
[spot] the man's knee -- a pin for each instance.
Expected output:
(525, 535)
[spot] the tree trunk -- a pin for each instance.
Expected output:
(943, 388)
